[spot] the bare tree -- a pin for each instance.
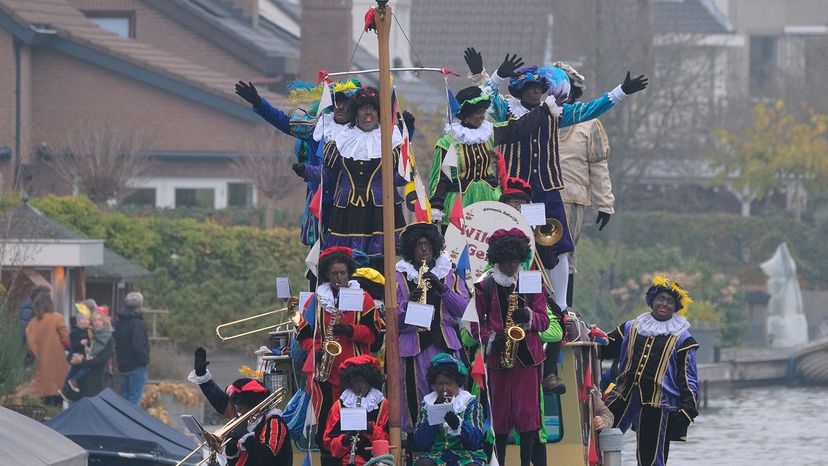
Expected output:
(100, 157)
(266, 161)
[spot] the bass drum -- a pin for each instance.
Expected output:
(481, 219)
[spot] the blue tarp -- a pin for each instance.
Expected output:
(108, 423)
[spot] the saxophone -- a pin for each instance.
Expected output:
(422, 283)
(514, 334)
(332, 348)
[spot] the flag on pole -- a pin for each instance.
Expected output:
(453, 104)
(449, 160)
(327, 99)
(463, 263)
(315, 205)
(422, 208)
(456, 215)
(405, 163)
(478, 370)
(312, 260)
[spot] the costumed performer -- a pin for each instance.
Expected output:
(584, 152)
(361, 380)
(514, 390)
(526, 132)
(476, 173)
(355, 331)
(458, 440)
(311, 132)
(446, 291)
(353, 165)
(657, 388)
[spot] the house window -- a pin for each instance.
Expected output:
(763, 52)
(119, 22)
(195, 197)
(239, 194)
(141, 196)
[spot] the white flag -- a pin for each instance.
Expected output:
(326, 100)
(450, 160)
(419, 188)
(470, 314)
(312, 261)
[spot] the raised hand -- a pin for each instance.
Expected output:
(298, 168)
(200, 362)
(509, 65)
(474, 60)
(603, 219)
(247, 91)
(631, 86)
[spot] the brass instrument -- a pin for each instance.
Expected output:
(291, 310)
(217, 440)
(514, 334)
(422, 283)
(546, 235)
(332, 348)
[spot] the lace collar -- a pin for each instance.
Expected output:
(465, 135)
(515, 107)
(324, 294)
(504, 280)
(326, 128)
(458, 405)
(442, 267)
(370, 402)
(356, 144)
(649, 326)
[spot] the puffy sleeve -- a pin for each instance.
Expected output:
(471, 430)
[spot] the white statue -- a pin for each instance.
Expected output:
(786, 321)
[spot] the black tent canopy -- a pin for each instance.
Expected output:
(110, 427)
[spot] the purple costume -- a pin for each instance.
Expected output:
(419, 345)
(514, 392)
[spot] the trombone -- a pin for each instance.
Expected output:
(291, 310)
(217, 440)
(546, 235)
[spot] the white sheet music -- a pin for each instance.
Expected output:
(353, 419)
(419, 314)
(350, 300)
(437, 413)
(535, 213)
(282, 287)
(529, 281)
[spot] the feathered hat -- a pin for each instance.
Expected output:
(516, 188)
(305, 93)
(553, 80)
(576, 79)
(668, 285)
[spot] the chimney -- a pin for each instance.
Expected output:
(326, 36)
(250, 8)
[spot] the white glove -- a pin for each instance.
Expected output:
(555, 109)
(436, 215)
(263, 350)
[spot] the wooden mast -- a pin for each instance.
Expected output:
(382, 18)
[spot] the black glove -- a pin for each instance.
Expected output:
(200, 361)
(415, 295)
(452, 420)
(363, 442)
(318, 356)
(250, 442)
(299, 169)
(603, 219)
(343, 330)
(631, 86)
(474, 60)
(436, 284)
(346, 442)
(499, 343)
(247, 91)
(521, 316)
(409, 119)
(509, 65)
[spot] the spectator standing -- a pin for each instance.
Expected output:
(93, 366)
(48, 338)
(132, 348)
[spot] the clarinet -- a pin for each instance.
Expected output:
(352, 458)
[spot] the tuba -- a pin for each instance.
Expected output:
(514, 334)
(332, 348)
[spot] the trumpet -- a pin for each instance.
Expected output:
(217, 440)
(291, 310)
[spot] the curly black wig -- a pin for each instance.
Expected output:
(247, 398)
(448, 370)
(415, 231)
(326, 262)
(370, 373)
(507, 249)
(467, 94)
(362, 97)
(575, 93)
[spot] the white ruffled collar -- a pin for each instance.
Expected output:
(649, 326)
(327, 128)
(442, 267)
(516, 108)
(502, 279)
(356, 144)
(458, 405)
(466, 135)
(370, 402)
(324, 293)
